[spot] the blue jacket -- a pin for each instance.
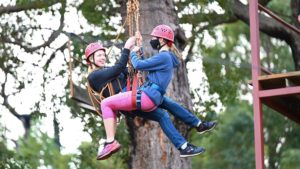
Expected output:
(160, 68)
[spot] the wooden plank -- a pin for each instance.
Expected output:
(282, 80)
(280, 92)
(279, 76)
(81, 95)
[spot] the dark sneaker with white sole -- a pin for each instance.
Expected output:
(206, 126)
(191, 150)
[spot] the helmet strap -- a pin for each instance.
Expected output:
(92, 61)
(160, 46)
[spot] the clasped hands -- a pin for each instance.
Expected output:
(134, 43)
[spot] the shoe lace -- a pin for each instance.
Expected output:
(191, 146)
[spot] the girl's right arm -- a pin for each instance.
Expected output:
(103, 76)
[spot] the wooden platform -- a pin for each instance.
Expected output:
(281, 92)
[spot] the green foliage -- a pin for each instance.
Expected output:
(99, 12)
(290, 159)
(7, 157)
(231, 144)
(276, 56)
(87, 158)
(281, 8)
(40, 150)
(224, 63)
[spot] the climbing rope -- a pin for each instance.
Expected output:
(133, 15)
(118, 35)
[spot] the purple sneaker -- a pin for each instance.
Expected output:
(108, 150)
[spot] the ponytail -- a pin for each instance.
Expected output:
(176, 52)
(90, 69)
(173, 49)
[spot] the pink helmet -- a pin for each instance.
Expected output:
(92, 48)
(163, 31)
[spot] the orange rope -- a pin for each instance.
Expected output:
(93, 98)
(133, 15)
(118, 35)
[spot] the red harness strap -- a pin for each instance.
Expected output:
(133, 88)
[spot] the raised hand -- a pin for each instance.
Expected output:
(130, 43)
(136, 48)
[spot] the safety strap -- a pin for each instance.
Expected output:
(134, 91)
(133, 87)
(138, 100)
(96, 97)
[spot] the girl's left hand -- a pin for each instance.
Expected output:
(130, 43)
(136, 48)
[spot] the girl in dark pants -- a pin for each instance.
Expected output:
(98, 79)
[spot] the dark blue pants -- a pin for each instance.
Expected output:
(165, 122)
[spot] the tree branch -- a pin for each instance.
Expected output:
(5, 99)
(53, 55)
(52, 37)
(28, 6)
(219, 21)
(272, 28)
(266, 24)
(24, 118)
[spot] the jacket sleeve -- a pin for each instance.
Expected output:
(156, 62)
(103, 76)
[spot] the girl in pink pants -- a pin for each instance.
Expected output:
(122, 101)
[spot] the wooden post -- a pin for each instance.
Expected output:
(257, 105)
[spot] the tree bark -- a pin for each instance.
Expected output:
(150, 147)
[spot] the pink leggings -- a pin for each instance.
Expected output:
(122, 101)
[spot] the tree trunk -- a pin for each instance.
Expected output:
(150, 147)
(56, 130)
